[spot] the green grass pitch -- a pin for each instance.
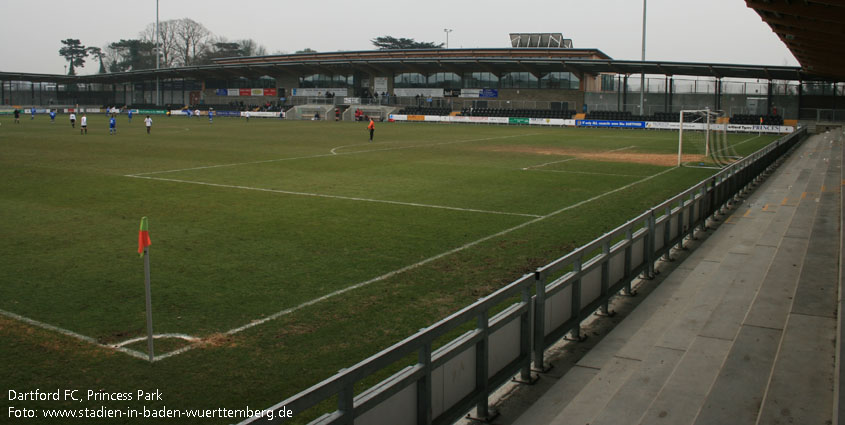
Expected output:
(284, 250)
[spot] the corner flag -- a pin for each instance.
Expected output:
(143, 236)
(143, 243)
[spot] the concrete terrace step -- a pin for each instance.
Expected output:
(724, 337)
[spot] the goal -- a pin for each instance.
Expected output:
(703, 139)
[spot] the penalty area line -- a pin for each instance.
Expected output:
(436, 257)
(533, 167)
(348, 198)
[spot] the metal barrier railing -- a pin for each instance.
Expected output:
(446, 383)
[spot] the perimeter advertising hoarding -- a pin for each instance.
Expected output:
(418, 92)
(734, 128)
(319, 92)
(611, 124)
(486, 93)
(551, 121)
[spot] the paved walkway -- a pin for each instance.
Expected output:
(743, 331)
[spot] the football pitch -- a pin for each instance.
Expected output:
(283, 251)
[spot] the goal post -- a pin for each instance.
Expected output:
(702, 134)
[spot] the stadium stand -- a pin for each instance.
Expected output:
(615, 116)
(755, 119)
(424, 110)
(520, 113)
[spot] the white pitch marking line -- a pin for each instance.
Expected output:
(436, 257)
(349, 198)
(335, 149)
(143, 356)
(744, 141)
(331, 153)
(549, 163)
(587, 172)
(143, 338)
(572, 159)
(72, 334)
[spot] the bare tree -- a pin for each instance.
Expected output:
(191, 40)
(167, 41)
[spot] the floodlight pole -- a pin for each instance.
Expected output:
(158, 55)
(642, 75)
(447, 31)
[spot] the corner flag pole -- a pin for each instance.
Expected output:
(149, 304)
(144, 250)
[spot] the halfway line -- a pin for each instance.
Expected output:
(331, 153)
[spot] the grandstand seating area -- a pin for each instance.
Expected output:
(615, 116)
(425, 110)
(671, 117)
(755, 119)
(519, 113)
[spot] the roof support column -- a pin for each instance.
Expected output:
(800, 97)
(618, 92)
(718, 103)
(769, 98)
(671, 92)
(624, 94)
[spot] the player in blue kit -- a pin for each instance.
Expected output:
(52, 116)
(211, 115)
(129, 112)
(112, 125)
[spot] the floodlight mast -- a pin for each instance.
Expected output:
(447, 31)
(642, 75)
(158, 56)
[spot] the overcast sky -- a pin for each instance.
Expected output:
(713, 31)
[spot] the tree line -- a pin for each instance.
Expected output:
(185, 42)
(182, 42)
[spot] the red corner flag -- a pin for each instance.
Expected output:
(143, 236)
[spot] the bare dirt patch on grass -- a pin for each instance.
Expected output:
(661, 159)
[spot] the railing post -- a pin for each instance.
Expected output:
(691, 222)
(629, 252)
(649, 245)
(539, 321)
(482, 358)
(704, 210)
(667, 234)
(424, 386)
(576, 300)
(681, 217)
(345, 402)
(605, 278)
(525, 336)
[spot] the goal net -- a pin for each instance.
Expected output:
(703, 139)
